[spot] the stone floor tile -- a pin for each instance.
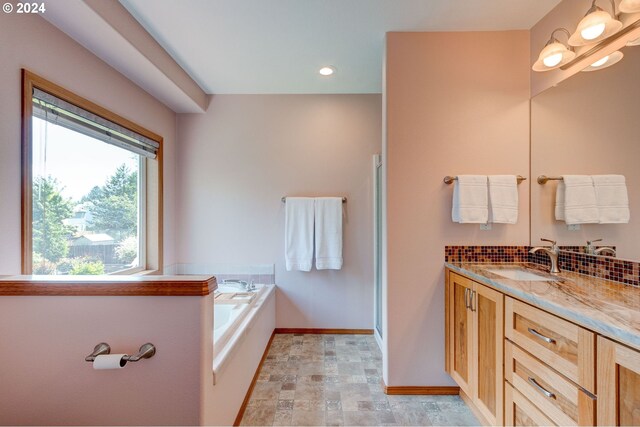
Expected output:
(308, 418)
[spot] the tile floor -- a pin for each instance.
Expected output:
(335, 380)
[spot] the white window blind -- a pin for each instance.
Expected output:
(57, 111)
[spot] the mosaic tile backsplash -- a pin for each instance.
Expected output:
(617, 270)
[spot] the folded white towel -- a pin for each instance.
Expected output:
(328, 233)
(503, 199)
(612, 199)
(298, 233)
(580, 205)
(560, 201)
(470, 199)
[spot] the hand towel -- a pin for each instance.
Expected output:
(470, 199)
(580, 205)
(560, 201)
(612, 199)
(298, 233)
(328, 233)
(503, 199)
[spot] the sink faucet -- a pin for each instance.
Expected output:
(553, 251)
(602, 250)
(591, 248)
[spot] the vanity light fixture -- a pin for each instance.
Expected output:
(596, 25)
(327, 71)
(555, 53)
(635, 42)
(629, 6)
(605, 62)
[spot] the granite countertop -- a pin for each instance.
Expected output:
(608, 308)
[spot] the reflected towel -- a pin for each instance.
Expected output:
(580, 205)
(612, 199)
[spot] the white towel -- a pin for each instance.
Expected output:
(612, 199)
(580, 205)
(470, 199)
(328, 233)
(560, 201)
(503, 199)
(298, 233)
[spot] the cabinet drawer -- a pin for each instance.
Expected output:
(565, 347)
(518, 411)
(558, 398)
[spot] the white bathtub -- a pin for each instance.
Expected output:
(241, 334)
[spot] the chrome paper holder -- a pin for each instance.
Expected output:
(146, 351)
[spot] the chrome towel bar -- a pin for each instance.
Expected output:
(284, 199)
(449, 179)
(542, 179)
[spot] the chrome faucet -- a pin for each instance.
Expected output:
(244, 284)
(591, 249)
(553, 251)
(605, 249)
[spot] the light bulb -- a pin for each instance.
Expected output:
(552, 60)
(327, 71)
(600, 62)
(593, 31)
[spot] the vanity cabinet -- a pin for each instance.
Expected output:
(618, 384)
(474, 337)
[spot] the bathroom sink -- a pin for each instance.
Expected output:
(519, 274)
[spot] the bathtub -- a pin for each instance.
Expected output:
(241, 334)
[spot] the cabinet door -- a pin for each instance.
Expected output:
(487, 307)
(459, 319)
(618, 384)
(520, 412)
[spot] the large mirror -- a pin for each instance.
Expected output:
(588, 125)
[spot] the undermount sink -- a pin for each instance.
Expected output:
(519, 274)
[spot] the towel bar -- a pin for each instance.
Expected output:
(449, 179)
(542, 179)
(284, 199)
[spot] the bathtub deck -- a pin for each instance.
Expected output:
(335, 380)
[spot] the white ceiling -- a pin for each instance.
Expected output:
(277, 46)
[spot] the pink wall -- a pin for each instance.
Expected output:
(29, 41)
(456, 103)
(237, 161)
(587, 125)
(45, 380)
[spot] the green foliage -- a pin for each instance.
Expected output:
(115, 205)
(49, 209)
(86, 267)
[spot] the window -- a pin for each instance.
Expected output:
(91, 187)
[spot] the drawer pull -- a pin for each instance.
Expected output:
(547, 393)
(466, 297)
(542, 337)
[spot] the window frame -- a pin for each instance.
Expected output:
(150, 212)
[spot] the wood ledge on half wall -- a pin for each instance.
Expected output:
(106, 285)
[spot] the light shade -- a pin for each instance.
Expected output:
(629, 6)
(605, 62)
(597, 25)
(554, 55)
(635, 42)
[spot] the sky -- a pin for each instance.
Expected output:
(77, 161)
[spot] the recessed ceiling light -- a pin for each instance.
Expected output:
(327, 71)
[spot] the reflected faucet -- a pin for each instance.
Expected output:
(604, 249)
(552, 251)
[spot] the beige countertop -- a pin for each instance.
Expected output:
(609, 308)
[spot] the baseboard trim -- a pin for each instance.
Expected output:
(421, 390)
(247, 396)
(324, 331)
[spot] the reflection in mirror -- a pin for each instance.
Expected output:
(588, 125)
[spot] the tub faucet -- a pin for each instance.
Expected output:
(553, 251)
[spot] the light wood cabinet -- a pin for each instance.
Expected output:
(475, 344)
(618, 384)
(519, 411)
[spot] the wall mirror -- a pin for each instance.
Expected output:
(588, 125)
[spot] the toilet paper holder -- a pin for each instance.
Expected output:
(145, 352)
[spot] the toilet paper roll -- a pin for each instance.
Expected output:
(109, 361)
